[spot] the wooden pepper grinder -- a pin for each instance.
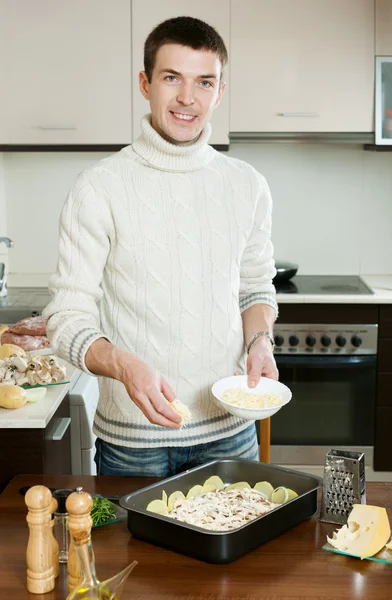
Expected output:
(55, 544)
(79, 505)
(40, 574)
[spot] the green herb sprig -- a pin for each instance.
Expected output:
(102, 511)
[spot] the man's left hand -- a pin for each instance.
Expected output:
(261, 362)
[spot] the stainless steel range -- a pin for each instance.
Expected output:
(331, 369)
(325, 339)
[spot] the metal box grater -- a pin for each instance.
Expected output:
(344, 485)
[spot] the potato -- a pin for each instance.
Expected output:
(196, 490)
(240, 485)
(157, 506)
(215, 482)
(7, 349)
(173, 497)
(265, 488)
(12, 396)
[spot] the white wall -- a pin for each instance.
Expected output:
(332, 205)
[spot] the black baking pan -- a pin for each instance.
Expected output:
(221, 546)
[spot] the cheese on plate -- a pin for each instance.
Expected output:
(366, 533)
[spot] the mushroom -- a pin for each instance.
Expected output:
(19, 363)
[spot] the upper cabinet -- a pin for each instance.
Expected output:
(146, 14)
(66, 72)
(302, 66)
(383, 27)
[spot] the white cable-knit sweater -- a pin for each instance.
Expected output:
(161, 248)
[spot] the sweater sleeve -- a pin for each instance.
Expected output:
(72, 316)
(257, 264)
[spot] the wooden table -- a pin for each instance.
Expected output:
(291, 567)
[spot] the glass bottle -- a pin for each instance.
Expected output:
(79, 505)
(60, 523)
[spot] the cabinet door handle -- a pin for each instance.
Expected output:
(299, 114)
(57, 127)
(60, 430)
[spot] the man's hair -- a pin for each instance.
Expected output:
(185, 31)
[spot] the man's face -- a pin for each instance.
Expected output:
(185, 89)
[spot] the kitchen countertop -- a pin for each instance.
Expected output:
(37, 415)
(381, 285)
(293, 566)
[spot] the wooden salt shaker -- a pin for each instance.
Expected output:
(40, 574)
(79, 505)
(55, 544)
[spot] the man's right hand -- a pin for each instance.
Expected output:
(145, 386)
(150, 392)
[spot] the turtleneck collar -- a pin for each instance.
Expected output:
(165, 156)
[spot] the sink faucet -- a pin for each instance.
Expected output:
(7, 241)
(3, 275)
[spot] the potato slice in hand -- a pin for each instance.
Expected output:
(157, 506)
(215, 482)
(265, 488)
(240, 485)
(173, 497)
(196, 490)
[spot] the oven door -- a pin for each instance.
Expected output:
(333, 406)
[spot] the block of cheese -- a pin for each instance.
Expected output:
(366, 533)
(182, 410)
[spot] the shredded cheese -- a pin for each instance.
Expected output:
(240, 397)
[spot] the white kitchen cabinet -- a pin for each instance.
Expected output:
(146, 14)
(384, 27)
(302, 66)
(65, 72)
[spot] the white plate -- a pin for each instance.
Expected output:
(265, 386)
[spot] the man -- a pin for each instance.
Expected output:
(162, 247)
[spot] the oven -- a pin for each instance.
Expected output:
(332, 371)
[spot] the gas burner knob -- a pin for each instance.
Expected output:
(279, 340)
(325, 340)
(310, 340)
(293, 340)
(341, 341)
(356, 341)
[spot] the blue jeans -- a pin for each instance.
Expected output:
(165, 462)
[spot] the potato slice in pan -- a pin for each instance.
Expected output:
(173, 497)
(292, 494)
(265, 488)
(240, 485)
(157, 506)
(280, 495)
(215, 482)
(196, 490)
(164, 497)
(208, 488)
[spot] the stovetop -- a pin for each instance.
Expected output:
(324, 285)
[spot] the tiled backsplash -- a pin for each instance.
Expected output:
(332, 205)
